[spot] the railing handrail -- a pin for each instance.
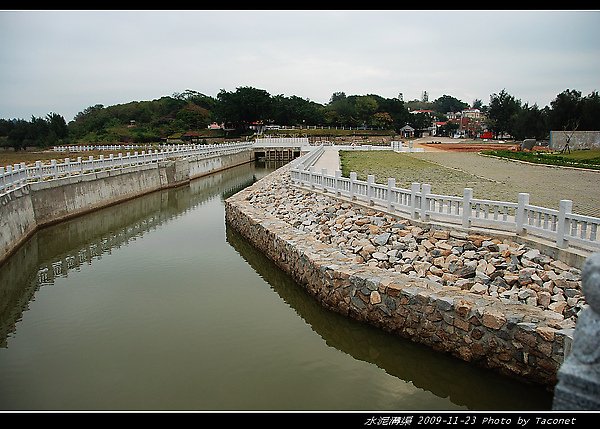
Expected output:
(308, 160)
(561, 225)
(13, 177)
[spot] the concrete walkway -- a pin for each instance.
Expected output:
(330, 160)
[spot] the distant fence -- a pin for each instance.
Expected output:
(320, 127)
(561, 226)
(13, 177)
(281, 142)
(88, 148)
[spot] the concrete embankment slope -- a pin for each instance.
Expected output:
(514, 339)
(36, 205)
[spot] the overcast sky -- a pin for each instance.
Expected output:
(65, 61)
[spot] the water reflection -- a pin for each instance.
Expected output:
(88, 238)
(191, 326)
(441, 374)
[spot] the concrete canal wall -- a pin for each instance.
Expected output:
(515, 339)
(35, 205)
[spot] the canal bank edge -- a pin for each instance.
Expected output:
(512, 339)
(37, 205)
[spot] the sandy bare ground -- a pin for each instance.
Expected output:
(546, 185)
(443, 144)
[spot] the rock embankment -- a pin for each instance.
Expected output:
(480, 264)
(497, 304)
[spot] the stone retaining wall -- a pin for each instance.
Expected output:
(579, 139)
(38, 204)
(514, 339)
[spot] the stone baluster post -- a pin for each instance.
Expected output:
(425, 203)
(466, 214)
(390, 194)
(578, 386)
(370, 183)
(520, 215)
(415, 188)
(338, 175)
(54, 168)
(563, 224)
(353, 176)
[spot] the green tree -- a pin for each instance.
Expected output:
(446, 104)
(365, 107)
(502, 111)
(38, 133)
(420, 121)
(91, 120)
(196, 98)
(419, 105)
(296, 111)
(342, 111)
(397, 111)
(530, 122)
(383, 120)
(193, 117)
(5, 127)
(18, 134)
(337, 96)
(57, 126)
(590, 112)
(244, 106)
(448, 129)
(566, 111)
(167, 107)
(193, 110)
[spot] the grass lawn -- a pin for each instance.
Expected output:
(407, 169)
(577, 158)
(29, 157)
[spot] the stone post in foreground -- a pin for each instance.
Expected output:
(578, 386)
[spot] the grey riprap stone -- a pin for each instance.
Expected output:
(528, 144)
(382, 239)
(578, 386)
(357, 302)
(445, 303)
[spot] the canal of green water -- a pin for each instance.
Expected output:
(156, 304)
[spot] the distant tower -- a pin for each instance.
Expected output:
(425, 97)
(400, 96)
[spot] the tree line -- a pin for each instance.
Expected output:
(568, 111)
(151, 121)
(39, 132)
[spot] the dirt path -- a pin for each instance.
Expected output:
(445, 144)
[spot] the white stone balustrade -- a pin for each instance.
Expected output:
(16, 176)
(561, 226)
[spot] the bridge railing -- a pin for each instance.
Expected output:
(13, 177)
(565, 228)
(306, 161)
